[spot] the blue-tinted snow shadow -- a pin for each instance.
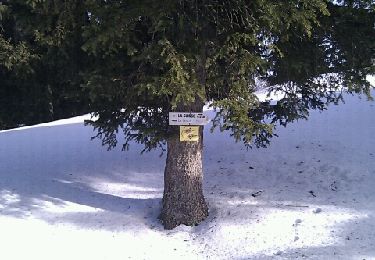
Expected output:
(60, 164)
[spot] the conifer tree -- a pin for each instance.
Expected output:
(144, 59)
(40, 61)
(162, 56)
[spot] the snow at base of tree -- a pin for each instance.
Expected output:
(309, 195)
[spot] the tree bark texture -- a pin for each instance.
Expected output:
(183, 200)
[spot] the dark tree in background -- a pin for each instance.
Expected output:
(314, 71)
(133, 62)
(41, 61)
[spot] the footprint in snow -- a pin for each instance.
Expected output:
(333, 186)
(317, 210)
(257, 193)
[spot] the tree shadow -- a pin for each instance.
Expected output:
(58, 175)
(58, 202)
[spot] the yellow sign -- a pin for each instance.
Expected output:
(189, 133)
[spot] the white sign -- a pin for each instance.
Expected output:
(183, 118)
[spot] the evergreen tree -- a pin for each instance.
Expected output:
(139, 60)
(40, 61)
(162, 56)
(176, 55)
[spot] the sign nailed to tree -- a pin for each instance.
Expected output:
(183, 118)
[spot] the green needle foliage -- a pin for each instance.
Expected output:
(41, 61)
(161, 56)
(132, 62)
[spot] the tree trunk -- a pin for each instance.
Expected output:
(183, 200)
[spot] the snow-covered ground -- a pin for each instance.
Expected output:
(311, 194)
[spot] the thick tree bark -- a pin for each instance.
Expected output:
(183, 200)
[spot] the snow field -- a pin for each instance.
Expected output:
(309, 195)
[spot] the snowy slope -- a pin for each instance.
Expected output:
(309, 195)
